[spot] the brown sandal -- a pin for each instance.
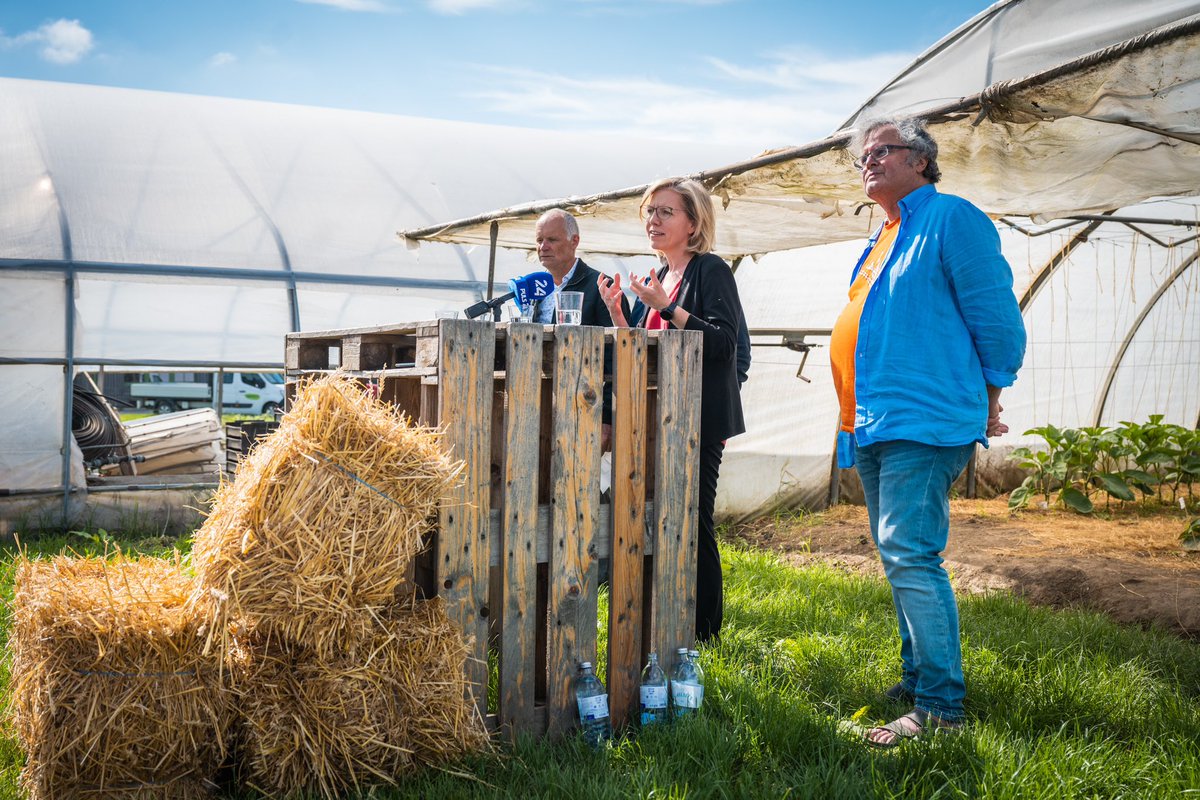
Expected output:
(913, 725)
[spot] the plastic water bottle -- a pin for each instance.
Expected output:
(686, 693)
(593, 706)
(653, 693)
(694, 658)
(677, 676)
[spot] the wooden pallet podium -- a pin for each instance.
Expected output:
(521, 406)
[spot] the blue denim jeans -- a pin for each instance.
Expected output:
(907, 487)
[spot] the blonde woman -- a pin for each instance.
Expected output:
(694, 290)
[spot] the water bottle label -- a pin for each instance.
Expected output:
(654, 697)
(593, 707)
(687, 695)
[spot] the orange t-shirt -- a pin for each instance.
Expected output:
(844, 339)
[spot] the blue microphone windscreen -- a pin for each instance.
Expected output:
(532, 287)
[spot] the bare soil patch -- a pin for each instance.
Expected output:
(1129, 565)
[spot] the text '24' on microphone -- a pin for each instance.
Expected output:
(526, 290)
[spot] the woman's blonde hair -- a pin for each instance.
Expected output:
(697, 204)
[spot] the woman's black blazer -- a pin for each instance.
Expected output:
(708, 292)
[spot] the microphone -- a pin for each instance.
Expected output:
(527, 289)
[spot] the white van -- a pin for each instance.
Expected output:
(241, 392)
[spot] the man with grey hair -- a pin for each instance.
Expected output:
(557, 237)
(931, 335)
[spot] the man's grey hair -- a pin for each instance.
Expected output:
(568, 221)
(912, 133)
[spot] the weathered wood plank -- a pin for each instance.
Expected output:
(404, 393)
(677, 491)
(575, 487)
(628, 523)
(464, 409)
(518, 531)
(403, 328)
(364, 352)
(307, 354)
(542, 536)
(429, 406)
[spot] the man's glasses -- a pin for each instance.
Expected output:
(664, 212)
(879, 154)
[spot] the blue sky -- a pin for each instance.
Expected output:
(754, 72)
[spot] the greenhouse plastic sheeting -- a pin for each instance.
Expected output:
(1083, 132)
(196, 228)
(30, 457)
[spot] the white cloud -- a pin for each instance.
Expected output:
(63, 41)
(351, 5)
(790, 100)
(794, 70)
(463, 6)
(221, 59)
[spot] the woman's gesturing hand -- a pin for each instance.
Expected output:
(610, 293)
(651, 293)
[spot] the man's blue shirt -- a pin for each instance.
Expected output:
(939, 325)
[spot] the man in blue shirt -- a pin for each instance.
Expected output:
(930, 337)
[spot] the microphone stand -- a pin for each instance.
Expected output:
(484, 306)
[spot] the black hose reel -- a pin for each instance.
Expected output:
(98, 431)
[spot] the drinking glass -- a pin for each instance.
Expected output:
(568, 307)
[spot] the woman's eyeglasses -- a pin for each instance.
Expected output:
(664, 212)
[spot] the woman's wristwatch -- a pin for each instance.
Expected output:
(669, 310)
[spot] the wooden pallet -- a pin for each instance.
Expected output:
(518, 546)
(185, 442)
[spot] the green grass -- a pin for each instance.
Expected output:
(1061, 705)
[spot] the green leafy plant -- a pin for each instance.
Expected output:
(1068, 466)
(1047, 468)
(1154, 458)
(1185, 468)
(1151, 449)
(1108, 451)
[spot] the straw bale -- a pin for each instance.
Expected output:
(316, 531)
(112, 695)
(326, 727)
